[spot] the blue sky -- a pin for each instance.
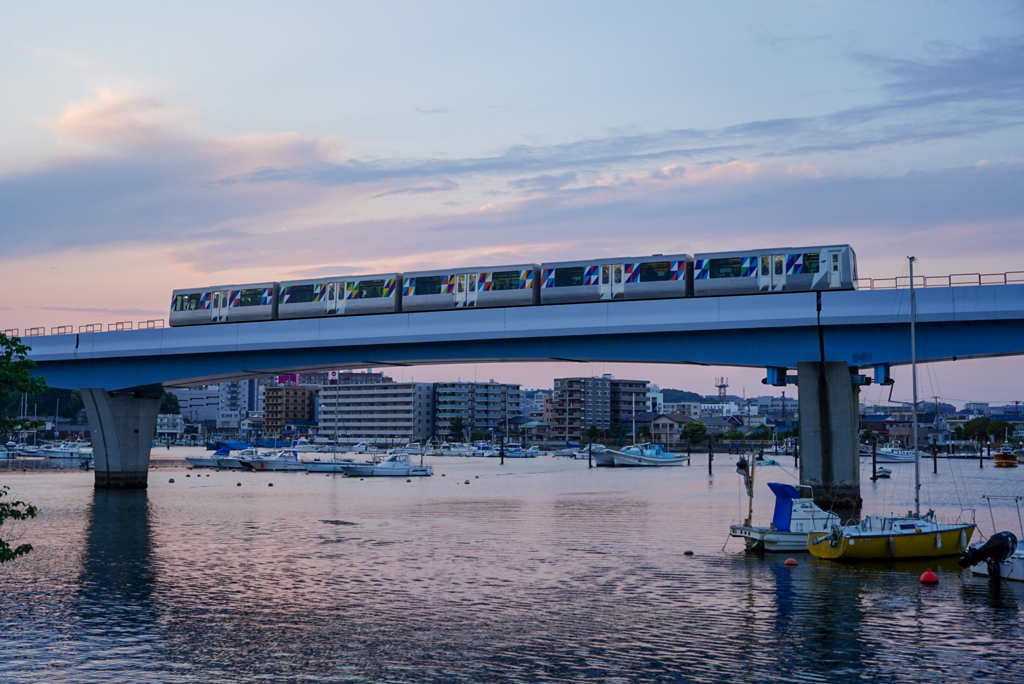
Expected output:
(152, 146)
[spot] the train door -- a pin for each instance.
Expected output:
(335, 298)
(219, 306)
(465, 290)
(612, 281)
(835, 270)
(771, 272)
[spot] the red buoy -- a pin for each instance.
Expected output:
(790, 562)
(929, 577)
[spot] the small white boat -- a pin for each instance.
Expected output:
(396, 465)
(211, 462)
(646, 455)
(882, 473)
(366, 448)
(1002, 555)
(274, 460)
(796, 515)
(890, 453)
(303, 444)
(235, 462)
(332, 466)
(602, 455)
(62, 450)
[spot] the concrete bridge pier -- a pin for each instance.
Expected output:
(829, 435)
(122, 427)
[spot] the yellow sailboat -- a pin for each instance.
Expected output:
(879, 537)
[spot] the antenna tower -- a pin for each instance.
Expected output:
(722, 384)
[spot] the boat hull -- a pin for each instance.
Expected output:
(771, 541)
(378, 471)
(928, 543)
(631, 460)
(197, 462)
(1010, 569)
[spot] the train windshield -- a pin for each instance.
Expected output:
(301, 294)
(811, 263)
(505, 280)
(569, 277)
(726, 268)
(371, 289)
(655, 271)
(189, 302)
(428, 285)
(252, 297)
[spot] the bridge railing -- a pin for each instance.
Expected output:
(62, 330)
(151, 324)
(91, 328)
(34, 332)
(953, 280)
(10, 332)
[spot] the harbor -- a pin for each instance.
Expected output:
(540, 569)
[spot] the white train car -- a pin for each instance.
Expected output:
(457, 288)
(783, 269)
(340, 295)
(661, 276)
(224, 304)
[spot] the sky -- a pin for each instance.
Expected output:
(150, 146)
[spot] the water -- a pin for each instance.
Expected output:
(538, 570)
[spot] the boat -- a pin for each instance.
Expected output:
(796, 515)
(397, 464)
(882, 473)
(199, 462)
(1006, 457)
(602, 455)
(235, 462)
(882, 537)
(1002, 556)
(646, 454)
(893, 452)
(366, 448)
(275, 461)
(230, 444)
(332, 466)
(61, 450)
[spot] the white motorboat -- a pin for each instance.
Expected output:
(1002, 556)
(882, 473)
(602, 455)
(893, 452)
(211, 462)
(647, 454)
(235, 462)
(453, 449)
(366, 448)
(796, 515)
(62, 450)
(304, 445)
(397, 464)
(274, 460)
(332, 466)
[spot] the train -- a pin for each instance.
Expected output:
(659, 276)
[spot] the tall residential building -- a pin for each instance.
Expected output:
(486, 406)
(283, 404)
(199, 404)
(381, 412)
(236, 400)
(601, 402)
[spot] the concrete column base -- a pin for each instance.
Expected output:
(122, 428)
(829, 435)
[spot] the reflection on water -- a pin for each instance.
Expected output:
(538, 570)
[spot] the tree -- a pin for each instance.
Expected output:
(1000, 429)
(592, 434)
(762, 431)
(867, 434)
(733, 434)
(958, 432)
(479, 435)
(643, 433)
(457, 429)
(977, 428)
(15, 376)
(169, 404)
(695, 431)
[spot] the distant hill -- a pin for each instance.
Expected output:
(673, 396)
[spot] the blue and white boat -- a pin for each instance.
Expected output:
(274, 460)
(198, 462)
(796, 515)
(647, 454)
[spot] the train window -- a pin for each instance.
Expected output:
(330, 292)
(216, 300)
(186, 302)
(835, 261)
(605, 275)
(301, 294)
(731, 267)
(371, 289)
(655, 271)
(618, 273)
(811, 263)
(252, 297)
(471, 279)
(461, 283)
(766, 269)
(429, 285)
(780, 265)
(505, 280)
(569, 277)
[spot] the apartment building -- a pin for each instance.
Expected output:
(578, 403)
(484, 406)
(377, 412)
(284, 404)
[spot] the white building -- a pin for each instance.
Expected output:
(382, 413)
(199, 404)
(169, 427)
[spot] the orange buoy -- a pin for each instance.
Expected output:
(929, 577)
(790, 562)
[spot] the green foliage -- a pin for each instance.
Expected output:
(674, 396)
(479, 435)
(457, 429)
(1000, 429)
(169, 404)
(695, 431)
(867, 434)
(762, 431)
(733, 434)
(16, 376)
(977, 428)
(592, 435)
(13, 510)
(958, 432)
(643, 433)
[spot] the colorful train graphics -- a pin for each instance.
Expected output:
(661, 276)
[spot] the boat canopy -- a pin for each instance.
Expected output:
(784, 495)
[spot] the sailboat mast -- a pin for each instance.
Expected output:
(913, 375)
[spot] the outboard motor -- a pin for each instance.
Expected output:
(993, 552)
